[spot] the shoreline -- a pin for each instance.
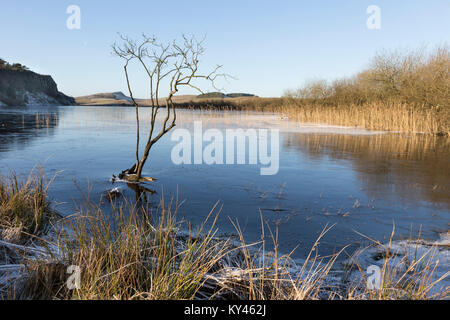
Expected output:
(389, 116)
(231, 264)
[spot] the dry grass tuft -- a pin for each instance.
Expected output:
(24, 208)
(135, 254)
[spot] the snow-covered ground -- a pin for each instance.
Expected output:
(419, 254)
(121, 96)
(40, 99)
(254, 120)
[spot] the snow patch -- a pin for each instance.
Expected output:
(121, 96)
(268, 120)
(39, 99)
(404, 253)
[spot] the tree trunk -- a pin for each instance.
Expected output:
(143, 160)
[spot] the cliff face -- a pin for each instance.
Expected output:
(19, 88)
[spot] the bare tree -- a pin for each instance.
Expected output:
(175, 65)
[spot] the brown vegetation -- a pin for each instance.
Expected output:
(138, 253)
(398, 92)
(405, 92)
(24, 208)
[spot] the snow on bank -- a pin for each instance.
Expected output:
(121, 96)
(325, 128)
(13, 271)
(39, 99)
(255, 120)
(420, 254)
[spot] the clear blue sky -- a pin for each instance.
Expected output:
(269, 46)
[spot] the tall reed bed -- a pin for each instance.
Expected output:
(389, 116)
(399, 91)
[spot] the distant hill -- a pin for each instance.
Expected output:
(21, 87)
(108, 98)
(108, 95)
(220, 95)
(120, 99)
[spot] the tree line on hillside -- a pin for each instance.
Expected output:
(4, 65)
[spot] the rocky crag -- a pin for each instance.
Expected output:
(22, 87)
